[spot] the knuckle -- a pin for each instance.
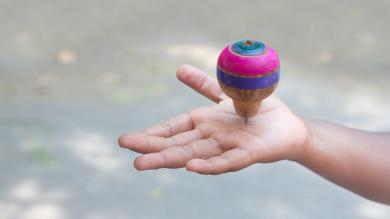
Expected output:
(190, 150)
(165, 159)
(197, 134)
(166, 127)
(190, 116)
(172, 141)
(203, 81)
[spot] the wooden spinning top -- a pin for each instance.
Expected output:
(248, 72)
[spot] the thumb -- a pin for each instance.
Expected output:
(200, 82)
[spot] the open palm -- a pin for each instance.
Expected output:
(214, 140)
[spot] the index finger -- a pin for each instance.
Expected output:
(178, 124)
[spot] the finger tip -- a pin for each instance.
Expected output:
(130, 140)
(149, 161)
(196, 165)
(122, 140)
(184, 71)
(181, 71)
(139, 164)
(183, 67)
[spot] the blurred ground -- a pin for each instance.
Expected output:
(76, 74)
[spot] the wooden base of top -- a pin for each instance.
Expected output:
(246, 109)
(247, 101)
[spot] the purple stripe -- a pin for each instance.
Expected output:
(248, 83)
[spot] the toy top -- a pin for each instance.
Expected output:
(248, 58)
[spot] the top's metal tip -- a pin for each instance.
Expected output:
(246, 120)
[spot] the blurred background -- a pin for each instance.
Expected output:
(74, 75)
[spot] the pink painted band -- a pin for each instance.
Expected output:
(248, 65)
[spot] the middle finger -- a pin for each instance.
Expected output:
(177, 157)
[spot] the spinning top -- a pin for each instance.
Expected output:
(248, 72)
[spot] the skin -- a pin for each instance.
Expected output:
(214, 140)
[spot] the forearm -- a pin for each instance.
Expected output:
(354, 159)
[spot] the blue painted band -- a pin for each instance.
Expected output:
(248, 83)
(248, 47)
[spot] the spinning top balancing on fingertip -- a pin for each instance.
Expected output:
(248, 72)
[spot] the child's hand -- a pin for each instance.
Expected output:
(214, 140)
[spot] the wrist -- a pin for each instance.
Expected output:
(306, 145)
